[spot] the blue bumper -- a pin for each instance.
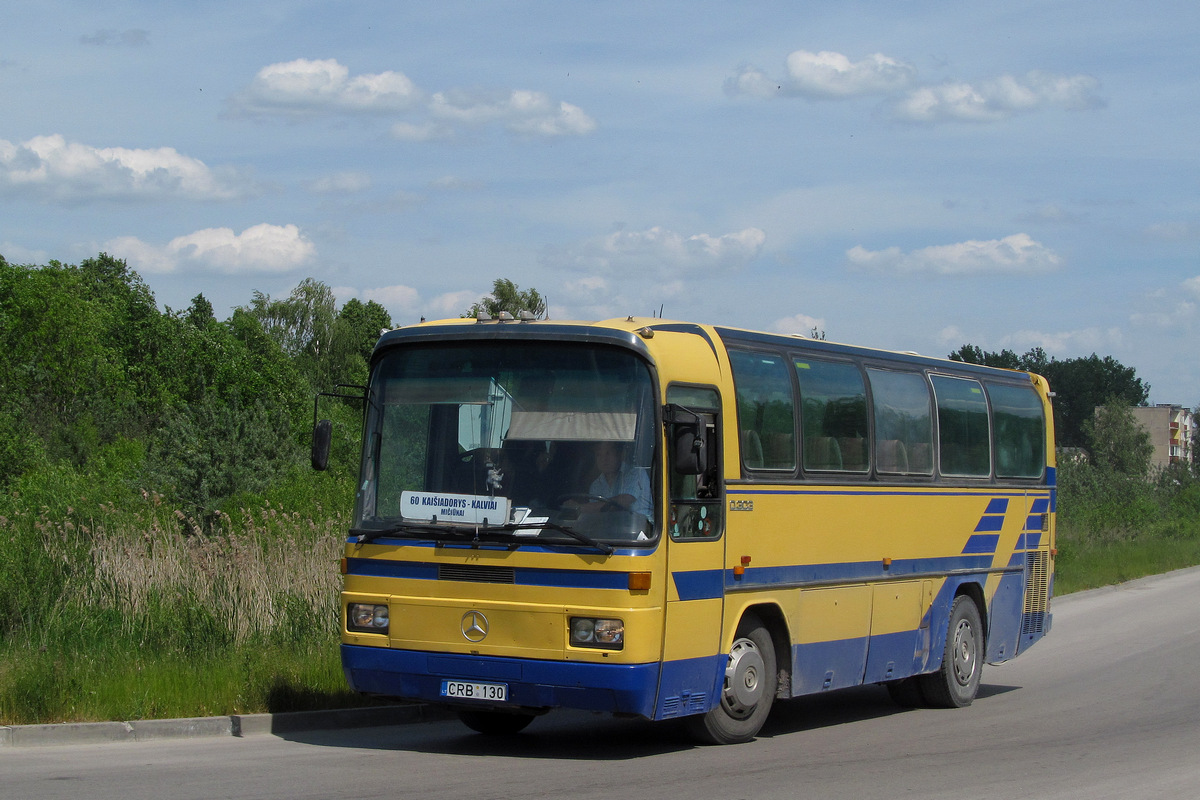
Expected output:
(614, 688)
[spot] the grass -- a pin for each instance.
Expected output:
(1087, 565)
(142, 611)
(122, 684)
(135, 609)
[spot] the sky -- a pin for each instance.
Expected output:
(898, 174)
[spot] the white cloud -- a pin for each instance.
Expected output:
(451, 304)
(143, 257)
(798, 323)
(261, 248)
(520, 111)
(50, 167)
(341, 183)
(1066, 343)
(421, 131)
(16, 254)
(1193, 285)
(662, 252)
(1062, 344)
(997, 98)
(453, 183)
(1177, 231)
(394, 298)
(311, 88)
(305, 87)
(597, 297)
(1017, 253)
(827, 74)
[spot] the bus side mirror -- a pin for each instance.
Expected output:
(322, 438)
(691, 448)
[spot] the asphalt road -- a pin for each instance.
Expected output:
(1107, 706)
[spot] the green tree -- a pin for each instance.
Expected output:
(1081, 385)
(208, 451)
(200, 312)
(1118, 443)
(67, 337)
(302, 323)
(356, 330)
(506, 296)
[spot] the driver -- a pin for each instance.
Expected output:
(619, 483)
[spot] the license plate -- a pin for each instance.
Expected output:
(467, 690)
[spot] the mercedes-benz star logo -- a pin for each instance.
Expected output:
(474, 626)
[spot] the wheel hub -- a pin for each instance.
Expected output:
(743, 678)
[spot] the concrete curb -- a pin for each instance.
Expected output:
(236, 725)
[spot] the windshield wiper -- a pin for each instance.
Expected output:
(442, 532)
(364, 535)
(554, 526)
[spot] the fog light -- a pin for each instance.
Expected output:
(367, 618)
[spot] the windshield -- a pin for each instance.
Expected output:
(521, 438)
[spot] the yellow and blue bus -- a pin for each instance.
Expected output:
(675, 520)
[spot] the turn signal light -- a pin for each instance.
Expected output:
(639, 581)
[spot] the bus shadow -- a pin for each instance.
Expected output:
(843, 707)
(582, 736)
(564, 735)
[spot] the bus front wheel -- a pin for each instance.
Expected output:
(955, 684)
(748, 689)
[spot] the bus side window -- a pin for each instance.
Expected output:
(903, 422)
(964, 438)
(765, 410)
(1019, 422)
(833, 401)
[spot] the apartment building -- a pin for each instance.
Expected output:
(1170, 429)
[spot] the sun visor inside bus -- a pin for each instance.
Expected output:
(581, 426)
(445, 391)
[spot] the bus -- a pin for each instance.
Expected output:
(683, 521)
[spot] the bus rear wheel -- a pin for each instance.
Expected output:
(495, 723)
(748, 691)
(955, 684)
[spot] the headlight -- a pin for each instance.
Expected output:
(607, 634)
(367, 618)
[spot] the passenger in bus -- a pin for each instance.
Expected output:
(618, 484)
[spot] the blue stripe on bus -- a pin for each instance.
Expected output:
(982, 543)
(998, 505)
(712, 583)
(739, 490)
(988, 524)
(702, 584)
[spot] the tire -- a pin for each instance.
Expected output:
(749, 688)
(956, 683)
(495, 723)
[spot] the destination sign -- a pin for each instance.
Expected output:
(462, 509)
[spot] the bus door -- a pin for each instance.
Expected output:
(692, 657)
